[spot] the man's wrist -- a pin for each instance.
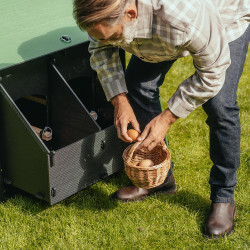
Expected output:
(170, 116)
(120, 98)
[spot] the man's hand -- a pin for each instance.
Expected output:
(156, 130)
(123, 115)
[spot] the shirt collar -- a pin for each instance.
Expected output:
(145, 19)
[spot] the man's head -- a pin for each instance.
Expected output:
(110, 21)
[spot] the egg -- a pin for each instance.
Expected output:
(133, 134)
(146, 163)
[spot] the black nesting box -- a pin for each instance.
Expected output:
(61, 91)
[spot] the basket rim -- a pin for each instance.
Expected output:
(146, 168)
(133, 147)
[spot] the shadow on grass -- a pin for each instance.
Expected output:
(95, 197)
(25, 202)
(92, 198)
(193, 202)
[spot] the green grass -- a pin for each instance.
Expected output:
(89, 220)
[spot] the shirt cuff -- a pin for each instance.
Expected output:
(178, 107)
(115, 88)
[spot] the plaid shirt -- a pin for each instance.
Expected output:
(170, 29)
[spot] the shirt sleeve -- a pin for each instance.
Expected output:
(105, 60)
(206, 42)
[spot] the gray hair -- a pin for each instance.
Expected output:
(88, 13)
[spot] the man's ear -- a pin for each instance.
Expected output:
(131, 12)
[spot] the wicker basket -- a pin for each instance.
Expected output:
(147, 177)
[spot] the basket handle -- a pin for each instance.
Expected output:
(132, 150)
(136, 144)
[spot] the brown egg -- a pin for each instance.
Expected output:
(133, 134)
(146, 163)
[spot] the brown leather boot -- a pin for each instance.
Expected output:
(133, 193)
(221, 219)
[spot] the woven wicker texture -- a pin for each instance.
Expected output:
(147, 177)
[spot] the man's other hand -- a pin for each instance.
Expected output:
(123, 115)
(156, 130)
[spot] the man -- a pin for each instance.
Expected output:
(216, 34)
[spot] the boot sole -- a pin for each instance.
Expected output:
(171, 191)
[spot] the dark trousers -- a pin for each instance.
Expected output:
(143, 81)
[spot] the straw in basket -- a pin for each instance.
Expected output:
(147, 177)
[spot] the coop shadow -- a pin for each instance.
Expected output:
(25, 202)
(48, 42)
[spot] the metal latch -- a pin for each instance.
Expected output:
(65, 39)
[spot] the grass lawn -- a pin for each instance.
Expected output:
(89, 220)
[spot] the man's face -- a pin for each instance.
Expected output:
(106, 34)
(116, 35)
